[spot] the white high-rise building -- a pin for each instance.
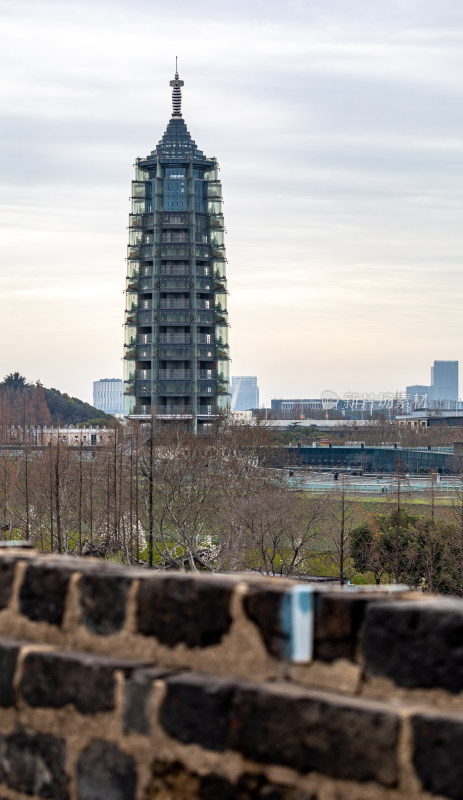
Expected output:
(108, 395)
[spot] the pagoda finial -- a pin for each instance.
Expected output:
(176, 93)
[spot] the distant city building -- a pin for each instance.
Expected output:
(443, 391)
(418, 395)
(108, 395)
(295, 407)
(245, 393)
(444, 384)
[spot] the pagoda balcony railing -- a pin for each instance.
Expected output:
(173, 218)
(177, 317)
(175, 251)
(203, 251)
(146, 252)
(144, 338)
(145, 305)
(174, 409)
(218, 253)
(206, 351)
(206, 338)
(206, 317)
(207, 374)
(144, 351)
(175, 269)
(174, 374)
(142, 388)
(174, 387)
(175, 282)
(203, 304)
(143, 374)
(174, 303)
(202, 271)
(170, 351)
(205, 411)
(205, 284)
(207, 387)
(174, 237)
(146, 284)
(135, 221)
(174, 338)
(144, 317)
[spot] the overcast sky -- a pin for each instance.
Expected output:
(338, 127)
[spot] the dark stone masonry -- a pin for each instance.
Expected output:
(124, 684)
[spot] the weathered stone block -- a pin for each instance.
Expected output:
(7, 570)
(104, 772)
(340, 737)
(43, 592)
(175, 780)
(179, 608)
(437, 749)
(103, 600)
(265, 608)
(34, 764)
(9, 650)
(196, 708)
(137, 696)
(338, 618)
(53, 679)
(416, 644)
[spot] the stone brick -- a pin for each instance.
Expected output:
(340, 737)
(338, 618)
(265, 607)
(437, 749)
(103, 600)
(104, 772)
(137, 696)
(53, 679)
(9, 650)
(34, 764)
(175, 780)
(416, 644)
(196, 708)
(43, 591)
(7, 570)
(179, 608)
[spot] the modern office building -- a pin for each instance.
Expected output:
(108, 395)
(244, 393)
(176, 355)
(419, 396)
(443, 390)
(295, 408)
(444, 384)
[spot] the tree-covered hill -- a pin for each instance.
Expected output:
(24, 404)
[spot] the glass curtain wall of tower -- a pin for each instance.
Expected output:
(176, 359)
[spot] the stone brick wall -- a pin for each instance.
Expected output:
(121, 684)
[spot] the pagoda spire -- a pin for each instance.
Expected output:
(176, 84)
